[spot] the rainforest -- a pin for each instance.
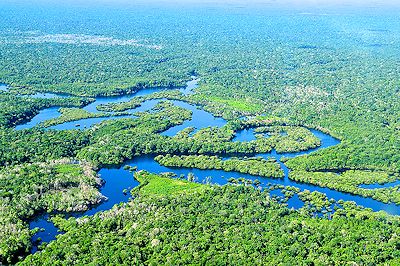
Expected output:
(192, 133)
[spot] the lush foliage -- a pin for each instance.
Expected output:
(38, 145)
(151, 184)
(277, 71)
(72, 114)
(254, 166)
(28, 189)
(349, 181)
(220, 225)
(16, 109)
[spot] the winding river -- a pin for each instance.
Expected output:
(117, 179)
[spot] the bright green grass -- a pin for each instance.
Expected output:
(72, 169)
(152, 184)
(240, 104)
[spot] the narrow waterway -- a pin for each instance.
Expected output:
(117, 179)
(52, 112)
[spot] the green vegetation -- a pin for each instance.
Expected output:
(151, 184)
(247, 105)
(169, 94)
(39, 145)
(351, 90)
(316, 202)
(73, 114)
(254, 166)
(212, 135)
(29, 189)
(278, 72)
(123, 106)
(349, 181)
(16, 109)
(220, 225)
(112, 142)
(289, 138)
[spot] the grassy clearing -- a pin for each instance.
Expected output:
(240, 104)
(152, 184)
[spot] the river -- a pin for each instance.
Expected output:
(117, 179)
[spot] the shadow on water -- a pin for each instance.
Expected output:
(47, 231)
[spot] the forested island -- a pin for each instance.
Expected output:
(199, 133)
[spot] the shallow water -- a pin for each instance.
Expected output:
(294, 202)
(190, 86)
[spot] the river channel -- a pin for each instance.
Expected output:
(117, 179)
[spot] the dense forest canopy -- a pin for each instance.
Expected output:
(278, 69)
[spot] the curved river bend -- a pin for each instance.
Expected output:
(118, 179)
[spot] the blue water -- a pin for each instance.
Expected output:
(86, 123)
(246, 134)
(386, 185)
(326, 142)
(190, 86)
(118, 179)
(51, 113)
(47, 95)
(48, 231)
(221, 177)
(296, 35)
(43, 115)
(295, 202)
(3, 87)
(89, 122)
(200, 119)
